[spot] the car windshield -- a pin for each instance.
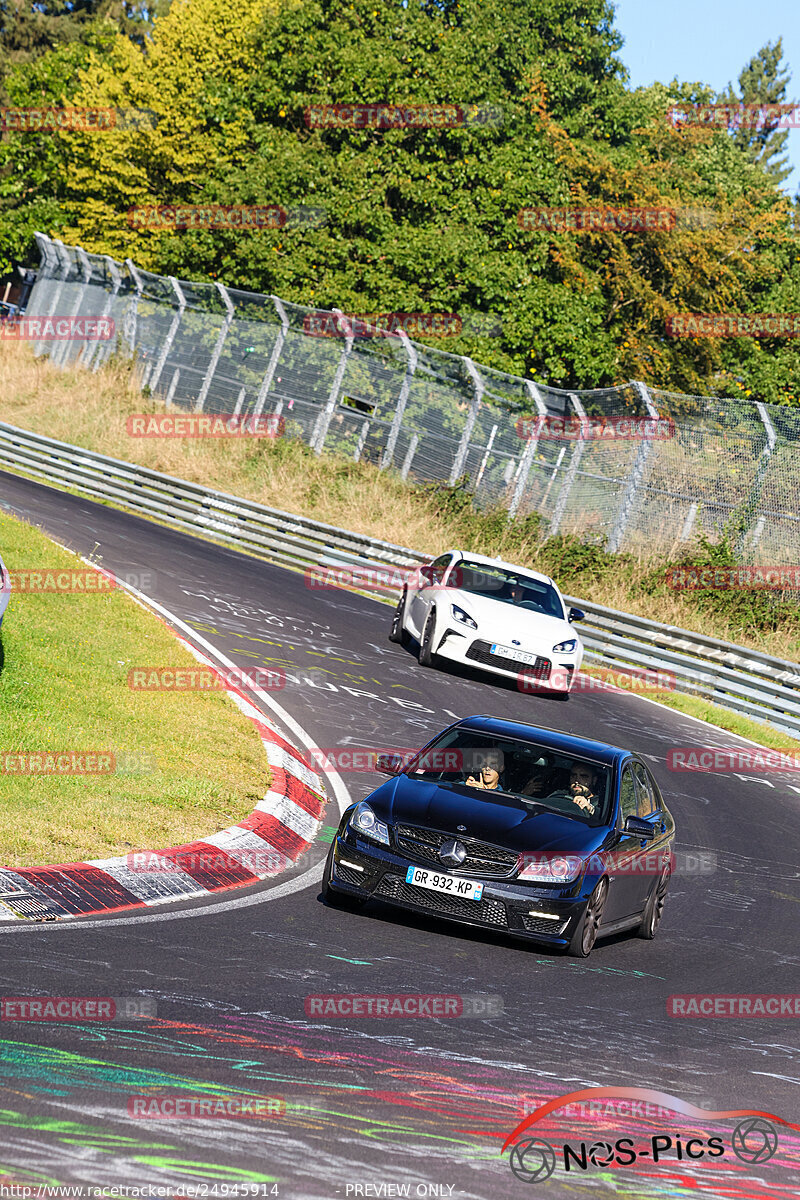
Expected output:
(510, 587)
(518, 771)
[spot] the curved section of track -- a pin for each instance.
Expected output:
(395, 1101)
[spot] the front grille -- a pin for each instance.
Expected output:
(480, 652)
(486, 912)
(483, 858)
(540, 925)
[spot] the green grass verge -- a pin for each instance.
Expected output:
(186, 763)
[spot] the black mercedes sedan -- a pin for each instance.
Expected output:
(507, 826)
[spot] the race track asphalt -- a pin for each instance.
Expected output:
(373, 1102)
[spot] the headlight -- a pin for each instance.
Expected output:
(551, 868)
(462, 616)
(565, 647)
(365, 822)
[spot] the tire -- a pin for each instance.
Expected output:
(337, 899)
(585, 935)
(397, 633)
(563, 696)
(654, 909)
(426, 656)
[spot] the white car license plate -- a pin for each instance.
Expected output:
(517, 655)
(435, 881)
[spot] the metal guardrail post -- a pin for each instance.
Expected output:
(572, 469)
(636, 477)
(274, 357)
(758, 482)
(529, 452)
(472, 416)
(132, 315)
(93, 355)
(173, 329)
(325, 417)
(402, 400)
(215, 357)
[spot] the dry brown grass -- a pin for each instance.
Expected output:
(90, 410)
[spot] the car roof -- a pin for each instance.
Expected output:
(485, 561)
(565, 743)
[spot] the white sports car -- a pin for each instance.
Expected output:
(490, 614)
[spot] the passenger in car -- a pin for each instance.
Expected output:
(491, 764)
(540, 781)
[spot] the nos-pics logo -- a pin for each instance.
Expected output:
(533, 1160)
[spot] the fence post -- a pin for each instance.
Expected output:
(173, 329)
(572, 469)
(410, 452)
(63, 272)
(635, 478)
(530, 450)
(176, 374)
(688, 524)
(94, 356)
(362, 440)
(269, 374)
(402, 400)
(215, 357)
(61, 353)
(485, 458)
(326, 415)
(758, 482)
(469, 424)
(132, 315)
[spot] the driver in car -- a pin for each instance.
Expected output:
(490, 766)
(581, 789)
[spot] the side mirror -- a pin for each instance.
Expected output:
(575, 614)
(425, 577)
(389, 764)
(639, 828)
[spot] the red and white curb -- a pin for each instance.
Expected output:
(271, 839)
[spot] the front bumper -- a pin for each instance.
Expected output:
(363, 868)
(551, 672)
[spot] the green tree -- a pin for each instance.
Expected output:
(763, 81)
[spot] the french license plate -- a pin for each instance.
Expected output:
(517, 655)
(435, 881)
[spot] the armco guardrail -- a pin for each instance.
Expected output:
(750, 683)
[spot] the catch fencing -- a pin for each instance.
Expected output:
(439, 417)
